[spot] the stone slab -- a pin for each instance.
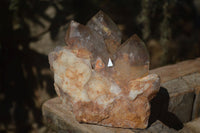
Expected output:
(181, 105)
(196, 106)
(191, 127)
(159, 127)
(176, 86)
(62, 120)
(181, 98)
(171, 72)
(193, 81)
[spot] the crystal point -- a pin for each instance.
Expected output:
(131, 60)
(85, 40)
(104, 25)
(136, 50)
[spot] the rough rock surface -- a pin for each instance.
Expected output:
(101, 86)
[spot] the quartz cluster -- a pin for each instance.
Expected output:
(103, 81)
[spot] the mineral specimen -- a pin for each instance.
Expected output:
(131, 60)
(103, 82)
(102, 24)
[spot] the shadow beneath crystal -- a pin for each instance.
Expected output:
(159, 111)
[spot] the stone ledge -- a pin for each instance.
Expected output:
(182, 82)
(60, 119)
(191, 127)
(171, 72)
(196, 106)
(158, 127)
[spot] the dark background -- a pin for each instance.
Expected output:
(30, 29)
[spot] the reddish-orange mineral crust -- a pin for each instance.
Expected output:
(89, 112)
(128, 114)
(124, 111)
(102, 81)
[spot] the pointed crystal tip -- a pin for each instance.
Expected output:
(86, 41)
(104, 26)
(100, 41)
(135, 50)
(131, 60)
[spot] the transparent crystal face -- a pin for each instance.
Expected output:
(100, 41)
(131, 60)
(104, 26)
(86, 42)
(135, 50)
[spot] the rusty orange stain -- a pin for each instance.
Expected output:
(99, 64)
